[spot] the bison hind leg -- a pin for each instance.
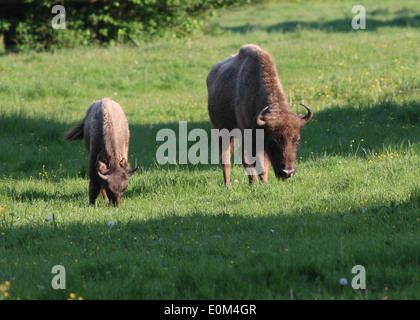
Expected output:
(224, 157)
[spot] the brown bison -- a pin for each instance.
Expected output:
(106, 134)
(244, 92)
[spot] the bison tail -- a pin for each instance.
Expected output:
(75, 133)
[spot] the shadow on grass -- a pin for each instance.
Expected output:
(218, 256)
(36, 195)
(337, 25)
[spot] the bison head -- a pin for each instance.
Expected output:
(281, 139)
(114, 181)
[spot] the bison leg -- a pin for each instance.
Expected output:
(266, 170)
(94, 182)
(224, 157)
(94, 189)
(249, 168)
(103, 192)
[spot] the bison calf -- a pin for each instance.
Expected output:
(244, 92)
(106, 134)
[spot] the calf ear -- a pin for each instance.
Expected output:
(129, 174)
(102, 168)
(124, 163)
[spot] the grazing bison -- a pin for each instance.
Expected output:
(244, 92)
(106, 134)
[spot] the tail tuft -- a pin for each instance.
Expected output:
(75, 133)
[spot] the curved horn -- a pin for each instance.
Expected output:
(309, 115)
(103, 177)
(260, 122)
(132, 172)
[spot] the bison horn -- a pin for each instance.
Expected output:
(258, 120)
(132, 172)
(103, 177)
(309, 115)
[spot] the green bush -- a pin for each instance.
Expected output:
(26, 24)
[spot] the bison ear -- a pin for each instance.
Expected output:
(129, 174)
(258, 117)
(124, 163)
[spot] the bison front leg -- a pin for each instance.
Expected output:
(266, 168)
(250, 171)
(249, 167)
(94, 182)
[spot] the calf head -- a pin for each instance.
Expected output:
(281, 139)
(114, 181)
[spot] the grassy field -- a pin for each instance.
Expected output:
(180, 234)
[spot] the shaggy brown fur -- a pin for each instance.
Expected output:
(239, 90)
(106, 134)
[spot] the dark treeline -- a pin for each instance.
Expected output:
(27, 24)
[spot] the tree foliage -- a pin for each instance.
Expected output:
(26, 24)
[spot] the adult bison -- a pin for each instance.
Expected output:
(106, 134)
(244, 92)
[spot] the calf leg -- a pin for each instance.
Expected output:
(94, 182)
(103, 192)
(94, 189)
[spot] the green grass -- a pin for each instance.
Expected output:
(180, 234)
